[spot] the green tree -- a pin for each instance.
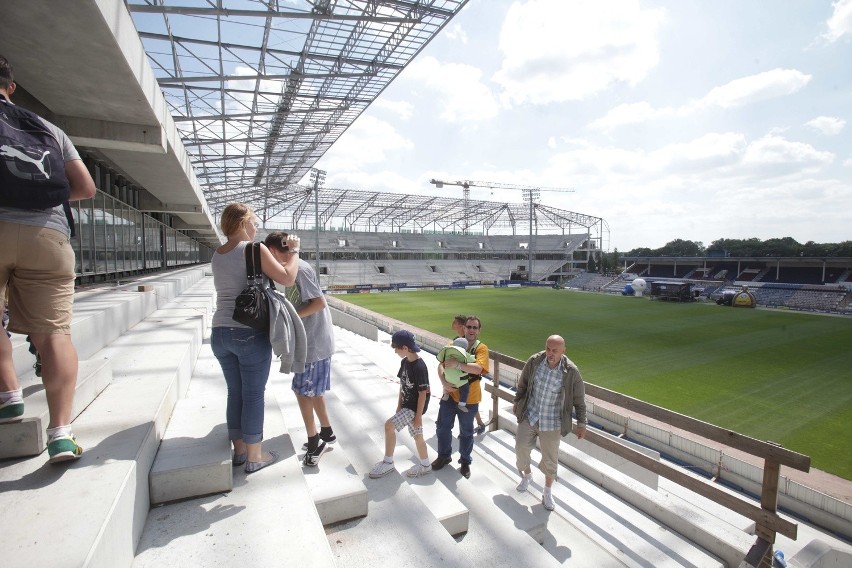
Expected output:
(591, 266)
(680, 247)
(788, 246)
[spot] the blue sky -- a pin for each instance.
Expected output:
(684, 119)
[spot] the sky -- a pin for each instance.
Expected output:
(683, 119)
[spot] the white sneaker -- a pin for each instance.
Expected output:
(524, 484)
(418, 469)
(380, 469)
(547, 501)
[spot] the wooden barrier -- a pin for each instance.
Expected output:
(768, 522)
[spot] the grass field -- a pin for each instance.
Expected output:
(772, 375)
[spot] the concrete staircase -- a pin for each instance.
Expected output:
(156, 486)
(91, 512)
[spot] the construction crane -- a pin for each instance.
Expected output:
(531, 193)
(527, 189)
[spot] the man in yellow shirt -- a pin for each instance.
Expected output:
(449, 409)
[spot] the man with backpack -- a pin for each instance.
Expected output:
(40, 173)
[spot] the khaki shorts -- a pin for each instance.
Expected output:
(548, 442)
(37, 271)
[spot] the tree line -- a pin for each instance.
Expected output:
(784, 247)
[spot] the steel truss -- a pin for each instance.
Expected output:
(260, 89)
(374, 211)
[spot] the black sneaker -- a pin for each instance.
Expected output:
(330, 439)
(440, 462)
(311, 459)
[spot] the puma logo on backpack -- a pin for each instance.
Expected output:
(32, 168)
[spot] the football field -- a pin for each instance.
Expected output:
(773, 375)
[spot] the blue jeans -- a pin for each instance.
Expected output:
(245, 356)
(447, 412)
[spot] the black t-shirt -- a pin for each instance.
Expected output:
(413, 378)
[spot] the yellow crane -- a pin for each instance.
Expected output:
(531, 194)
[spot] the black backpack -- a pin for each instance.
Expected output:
(32, 169)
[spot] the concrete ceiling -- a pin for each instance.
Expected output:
(84, 64)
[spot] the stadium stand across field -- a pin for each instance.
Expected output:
(818, 285)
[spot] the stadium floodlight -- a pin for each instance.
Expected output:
(318, 178)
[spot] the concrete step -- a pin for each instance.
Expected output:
(27, 436)
(103, 314)
(194, 457)
(370, 395)
(268, 519)
(568, 544)
(618, 528)
(337, 490)
(106, 490)
(525, 510)
(398, 523)
(371, 412)
(723, 533)
(443, 504)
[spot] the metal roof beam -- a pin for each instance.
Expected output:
(289, 53)
(211, 78)
(230, 13)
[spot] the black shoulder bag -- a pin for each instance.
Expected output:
(251, 307)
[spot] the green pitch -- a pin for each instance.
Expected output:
(773, 375)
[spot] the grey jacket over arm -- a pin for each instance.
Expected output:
(286, 333)
(573, 390)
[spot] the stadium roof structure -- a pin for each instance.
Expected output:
(356, 210)
(260, 89)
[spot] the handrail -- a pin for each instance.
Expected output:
(768, 522)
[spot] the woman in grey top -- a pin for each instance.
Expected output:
(244, 353)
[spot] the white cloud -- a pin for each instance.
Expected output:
(374, 181)
(456, 32)
(368, 141)
(709, 161)
(777, 151)
(402, 109)
(462, 95)
(756, 88)
(739, 92)
(712, 150)
(847, 162)
(556, 51)
(630, 113)
(828, 125)
(840, 22)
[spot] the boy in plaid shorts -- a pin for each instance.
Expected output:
(413, 402)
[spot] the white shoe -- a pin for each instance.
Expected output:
(547, 501)
(524, 484)
(418, 469)
(380, 469)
